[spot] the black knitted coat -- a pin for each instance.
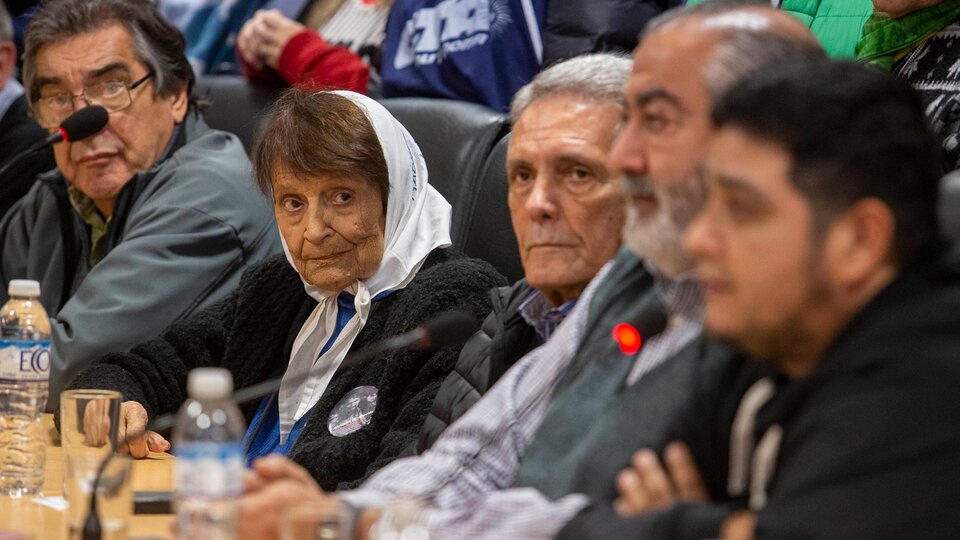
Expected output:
(251, 334)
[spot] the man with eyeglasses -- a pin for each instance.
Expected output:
(145, 222)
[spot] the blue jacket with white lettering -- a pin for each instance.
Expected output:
(481, 51)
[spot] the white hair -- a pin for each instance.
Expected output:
(600, 77)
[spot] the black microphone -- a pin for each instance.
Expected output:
(445, 330)
(84, 123)
(79, 125)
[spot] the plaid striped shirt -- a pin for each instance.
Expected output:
(465, 481)
(543, 317)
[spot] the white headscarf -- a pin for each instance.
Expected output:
(417, 222)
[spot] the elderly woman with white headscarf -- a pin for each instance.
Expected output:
(364, 236)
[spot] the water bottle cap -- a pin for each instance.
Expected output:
(23, 287)
(209, 383)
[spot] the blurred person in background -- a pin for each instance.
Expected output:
(21, 11)
(17, 130)
(576, 27)
(838, 24)
(332, 45)
(481, 51)
(919, 41)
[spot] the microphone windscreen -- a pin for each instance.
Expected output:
(450, 328)
(84, 123)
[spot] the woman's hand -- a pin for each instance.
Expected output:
(262, 38)
(96, 423)
(133, 419)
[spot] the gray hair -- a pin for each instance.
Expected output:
(157, 43)
(592, 77)
(743, 47)
(6, 24)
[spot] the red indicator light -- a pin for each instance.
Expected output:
(627, 337)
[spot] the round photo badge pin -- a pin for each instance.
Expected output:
(353, 411)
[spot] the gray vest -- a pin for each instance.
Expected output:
(595, 377)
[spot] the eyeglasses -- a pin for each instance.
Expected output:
(113, 96)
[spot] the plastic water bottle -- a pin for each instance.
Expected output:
(24, 371)
(208, 470)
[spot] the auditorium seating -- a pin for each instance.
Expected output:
(236, 105)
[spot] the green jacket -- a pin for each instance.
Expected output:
(838, 24)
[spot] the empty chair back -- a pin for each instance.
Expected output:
(489, 232)
(236, 105)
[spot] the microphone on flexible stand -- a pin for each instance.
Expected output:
(445, 330)
(84, 123)
(450, 328)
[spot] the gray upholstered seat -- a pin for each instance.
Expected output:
(489, 231)
(455, 137)
(236, 105)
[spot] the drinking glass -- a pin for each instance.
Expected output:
(114, 502)
(88, 434)
(401, 519)
(327, 520)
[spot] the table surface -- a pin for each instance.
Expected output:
(155, 473)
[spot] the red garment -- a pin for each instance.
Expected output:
(309, 61)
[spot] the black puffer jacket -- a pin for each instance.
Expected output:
(504, 338)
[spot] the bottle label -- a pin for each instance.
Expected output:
(24, 360)
(208, 470)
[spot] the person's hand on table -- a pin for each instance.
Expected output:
(648, 485)
(96, 423)
(263, 37)
(133, 419)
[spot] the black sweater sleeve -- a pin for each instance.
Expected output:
(154, 373)
(249, 332)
